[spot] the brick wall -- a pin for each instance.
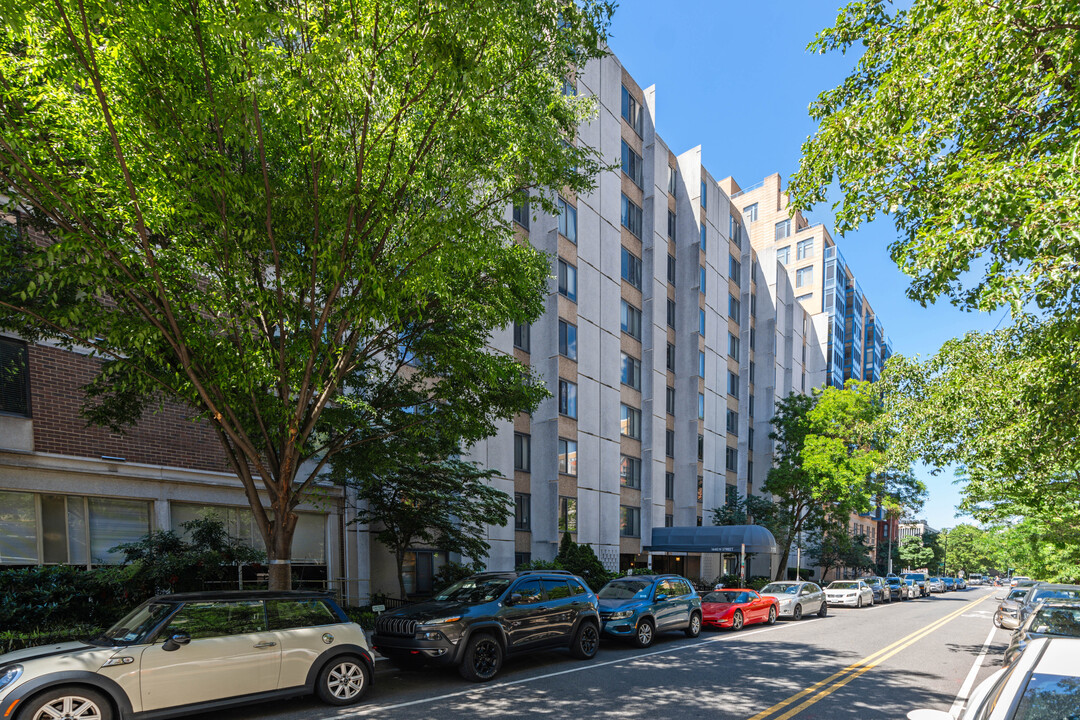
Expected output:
(165, 437)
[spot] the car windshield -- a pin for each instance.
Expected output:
(726, 596)
(1057, 621)
(625, 590)
(474, 590)
(134, 628)
(843, 585)
(893, 581)
(1017, 594)
(781, 588)
(1049, 697)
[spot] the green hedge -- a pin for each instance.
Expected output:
(12, 640)
(60, 596)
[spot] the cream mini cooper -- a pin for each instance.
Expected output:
(181, 654)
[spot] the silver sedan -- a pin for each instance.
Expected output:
(797, 598)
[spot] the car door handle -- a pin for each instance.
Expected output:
(267, 644)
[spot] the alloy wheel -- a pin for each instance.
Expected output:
(644, 633)
(69, 707)
(737, 621)
(345, 681)
(485, 658)
(590, 640)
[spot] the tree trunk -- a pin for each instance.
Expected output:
(279, 549)
(399, 556)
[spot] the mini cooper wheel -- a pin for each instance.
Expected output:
(796, 614)
(343, 681)
(694, 628)
(737, 620)
(483, 658)
(75, 703)
(772, 615)
(823, 610)
(644, 634)
(586, 641)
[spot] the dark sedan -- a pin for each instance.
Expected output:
(1053, 618)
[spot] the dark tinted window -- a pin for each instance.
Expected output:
(14, 378)
(216, 619)
(530, 591)
(556, 589)
(284, 614)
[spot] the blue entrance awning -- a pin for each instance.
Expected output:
(713, 539)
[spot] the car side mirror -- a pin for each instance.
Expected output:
(175, 641)
(514, 599)
(660, 597)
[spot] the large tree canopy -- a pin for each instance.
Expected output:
(267, 210)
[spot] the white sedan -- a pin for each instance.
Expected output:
(855, 593)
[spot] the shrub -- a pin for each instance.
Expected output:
(362, 616)
(12, 640)
(452, 572)
(61, 596)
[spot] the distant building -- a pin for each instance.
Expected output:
(916, 528)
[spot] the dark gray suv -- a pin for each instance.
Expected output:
(475, 623)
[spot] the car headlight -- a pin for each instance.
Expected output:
(441, 621)
(622, 614)
(9, 675)
(429, 635)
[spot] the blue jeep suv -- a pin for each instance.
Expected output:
(636, 607)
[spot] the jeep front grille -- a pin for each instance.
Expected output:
(395, 626)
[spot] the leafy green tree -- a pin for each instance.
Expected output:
(749, 510)
(580, 559)
(914, 553)
(968, 549)
(284, 216)
(834, 547)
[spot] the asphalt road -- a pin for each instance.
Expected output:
(875, 662)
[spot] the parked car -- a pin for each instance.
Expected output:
(855, 593)
(881, 590)
(961, 583)
(183, 654)
(950, 583)
(935, 584)
(798, 598)
(1042, 683)
(1016, 580)
(920, 580)
(1043, 592)
(1007, 614)
(735, 607)
(637, 607)
(1051, 618)
(912, 589)
(476, 622)
(897, 588)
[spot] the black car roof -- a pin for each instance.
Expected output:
(208, 596)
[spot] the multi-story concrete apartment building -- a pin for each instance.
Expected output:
(914, 528)
(679, 310)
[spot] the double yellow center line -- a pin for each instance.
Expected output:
(839, 679)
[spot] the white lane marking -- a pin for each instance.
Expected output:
(583, 668)
(969, 681)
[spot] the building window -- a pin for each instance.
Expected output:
(749, 213)
(735, 231)
(732, 422)
(630, 422)
(671, 269)
(700, 492)
(804, 276)
(704, 194)
(732, 384)
(567, 514)
(669, 521)
(522, 511)
(701, 364)
(671, 226)
(734, 309)
(703, 238)
(631, 371)
(630, 472)
(670, 398)
(631, 216)
(783, 255)
(671, 357)
(751, 372)
(631, 164)
(521, 336)
(670, 313)
(783, 229)
(567, 398)
(629, 521)
(631, 320)
(567, 280)
(631, 111)
(568, 221)
(522, 452)
(750, 406)
(750, 439)
(14, 378)
(753, 304)
(701, 406)
(701, 278)
(732, 459)
(804, 249)
(733, 346)
(753, 334)
(521, 559)
(669, 486)
(701, 321)
(567, 456)
(700, 447)
(669, 443)
(631, 268)
(568, 340)
(521, 210)
(672, 175)
(735, 270)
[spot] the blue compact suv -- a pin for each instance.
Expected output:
(636, 607)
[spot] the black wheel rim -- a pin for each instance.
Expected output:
(589, 640)
(485, 658)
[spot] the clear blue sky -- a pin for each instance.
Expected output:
(736, 78)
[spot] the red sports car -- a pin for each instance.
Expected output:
(735, 607)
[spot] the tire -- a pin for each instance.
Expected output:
(343, 681)
(694, 628)
(483, 658)
(586, 641)
(66, 701)
(796, 614)
(997, 620)
(772, 615)
(823, 610)
(858, 602)
(737, 620)
(645, 633)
